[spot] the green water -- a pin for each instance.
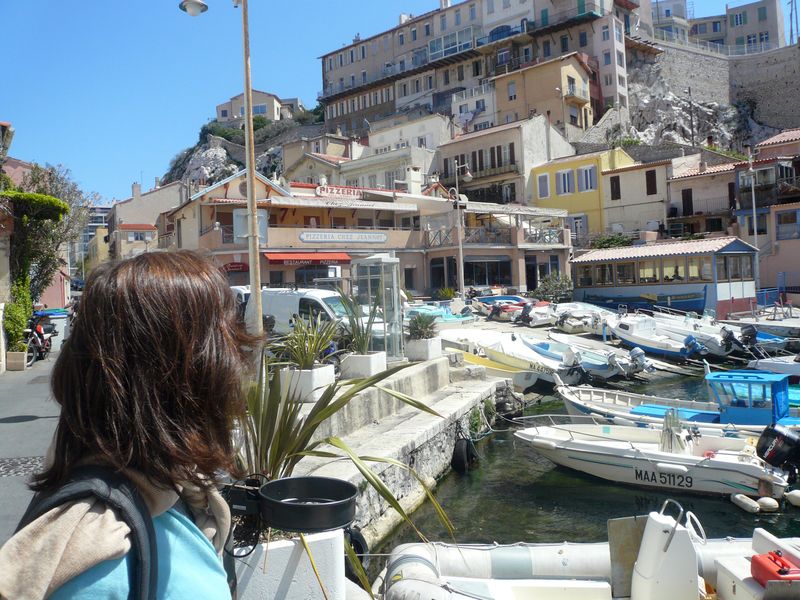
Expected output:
(516, 495)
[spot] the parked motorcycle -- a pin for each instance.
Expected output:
(38, 338)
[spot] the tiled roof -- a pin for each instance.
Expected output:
(784, 137)
(657, 250)
(330, 157)
(710, 170)
(136, 227)
(476, 134)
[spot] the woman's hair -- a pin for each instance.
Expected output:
(151, 376)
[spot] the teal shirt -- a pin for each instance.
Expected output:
(188, 567)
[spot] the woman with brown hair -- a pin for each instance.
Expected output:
(149, 382)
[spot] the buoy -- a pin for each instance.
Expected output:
(793, 497)
(745, 503)
(767, 504)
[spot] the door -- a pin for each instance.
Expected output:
(579, 226)
(581, 7)
(531, 279)
(732, 195)
(688, 204)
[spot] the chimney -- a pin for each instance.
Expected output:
(413, 180)
(547, 127)
(157, 183)
(444, 4)
(703, 166)
(323, 180)
(136, 190)
(404, 18)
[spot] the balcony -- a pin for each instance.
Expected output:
(577, 94)
(450, 179)
(441, 238)
(550, 236)
(699, 206)
(481, 90)
(481, 235)
(500, 33)
(165, 242)
(766, 195)
(566, 18)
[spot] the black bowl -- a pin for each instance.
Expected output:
(308, 504)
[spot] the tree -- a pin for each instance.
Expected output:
(47, 241)
(612, 240)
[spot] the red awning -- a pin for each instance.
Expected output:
(307, 258)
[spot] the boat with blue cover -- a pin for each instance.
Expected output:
(600, 364)
(442, 314)
(740, 401)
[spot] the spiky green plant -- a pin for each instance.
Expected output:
(306, 343)
(359, 325)
(422, 327)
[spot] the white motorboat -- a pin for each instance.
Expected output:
(670, 458)
(719, 344)
(788, 365)
(657, 557)
(778, 320)
(581, 317)
(600, 364)
(511, 350)
(642, 331)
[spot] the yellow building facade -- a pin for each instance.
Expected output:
(97, 252)
(575, 184)
(558, 87)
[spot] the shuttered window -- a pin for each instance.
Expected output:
(616, 192)
(650, 179)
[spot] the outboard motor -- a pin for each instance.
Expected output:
(495, 312)
(466, 311)
(639, 359)
(749, 333)
(728, 339)
(779, 446)
(692, 346)
(571, 358)
(525, 315)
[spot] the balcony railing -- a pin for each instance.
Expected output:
(500, 33)
(450, 179)
(550, 235)
(578, 92)
(441, 237)
(166, 241)
(699, 206)
(559, 20)
(481, 90)
(481, 235)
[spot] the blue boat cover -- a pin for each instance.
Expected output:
(685, 414)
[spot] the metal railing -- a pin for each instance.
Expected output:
(591, 11)
(551, 235)
(574, 91)
(660, 35)
(166, 241)
(498, 34)
(481, 235)
(441, 237)
(481, 90)
(699, 206)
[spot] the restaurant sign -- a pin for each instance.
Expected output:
(339, 237)
(236, 267)
(330, 191)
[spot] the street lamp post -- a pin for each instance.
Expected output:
(255, 326)
(460, 224)
(752, 174)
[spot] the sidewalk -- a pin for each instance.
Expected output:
(28, 418)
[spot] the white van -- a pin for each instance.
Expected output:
(286, 304)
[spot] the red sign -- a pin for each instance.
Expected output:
(236, 267)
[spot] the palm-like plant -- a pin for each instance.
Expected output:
(422, 327)
(360, 330)
(308, 341)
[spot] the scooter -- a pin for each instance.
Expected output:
(38, 338)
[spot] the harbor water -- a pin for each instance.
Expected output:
(516, 495)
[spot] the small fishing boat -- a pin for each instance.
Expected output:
(521, 379)
(484, 303)
(581, 317)
(670, 458)
(788, 365)
(660, 556)
(598, 364)
(739, 402)
(642, 331)
(778, 320)
(719, 344)
(443, 315)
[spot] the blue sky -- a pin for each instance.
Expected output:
(114, 89)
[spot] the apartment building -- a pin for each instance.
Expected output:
(97, 250)
(430, 59)
(309, 232)
(131, 221)
(265, 104)
(499, 160)
(671, 18)
(701, 199)
(755, 25)
(98, 215)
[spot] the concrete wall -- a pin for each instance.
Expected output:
(771, 82)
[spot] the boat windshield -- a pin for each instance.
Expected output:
(743, 395)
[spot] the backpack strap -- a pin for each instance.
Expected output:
(117, 491)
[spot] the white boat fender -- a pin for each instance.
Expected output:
(543, 444)
(745, 503)
(793, 497)
(768, 505)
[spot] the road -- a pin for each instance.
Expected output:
(28, 418)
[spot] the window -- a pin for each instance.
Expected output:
(621, 81)
(363, 77)
(490, 6)
(416, 86)
(509, 192)
(674, 269)
(429, 82)
(699, 268)
(463, 108)
(352, 56)
(702, 28)
(603, 275)
(427, 30)
(716, 26)
(582, 39)
(650, 180)
(443, 22)
(404, 90)
(402, 65)
(763, 37)
(625, 273)
(414, 34)
(223, 113)
(363, 52)
(460, 72)
(422, 142)
(587, 179)
(606, 58)
(543, 183)
(565, 183)
(260, 109)
(787, 225)
(762, 13)
(667, 12)
(608, 79)
(606, 33)
(512, 90)
(458, 16)
(447, 77)
(620, 59)
(618, 33)
(506, 3)
(739, 19)
(752, 39)
(584, 276)
(480, 105)
(762, 224)
(546, 51)
(616, 191)
(649, 271)
(330, 64)
(545, 20)
(473, 13)
(564, 44)
(476, 68)
(401, 38)
(352, 81)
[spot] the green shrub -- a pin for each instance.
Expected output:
(260, 121)
(612, 240)
(445, 293)
(475, 421)
(16, 315)
(554, 288)
(422, 327)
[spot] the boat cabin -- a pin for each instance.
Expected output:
(753, 397)
(694, 275)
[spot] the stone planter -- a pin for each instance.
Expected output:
(282, 569)
(307, 385)
(356, 366)
(16, 361)
(424, 349)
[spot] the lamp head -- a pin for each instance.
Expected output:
(193, 7)
(467, 177)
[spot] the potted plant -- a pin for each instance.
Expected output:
(303, 348)
(424, 343)
(276, 433)
(14, 323)
(361, 362)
